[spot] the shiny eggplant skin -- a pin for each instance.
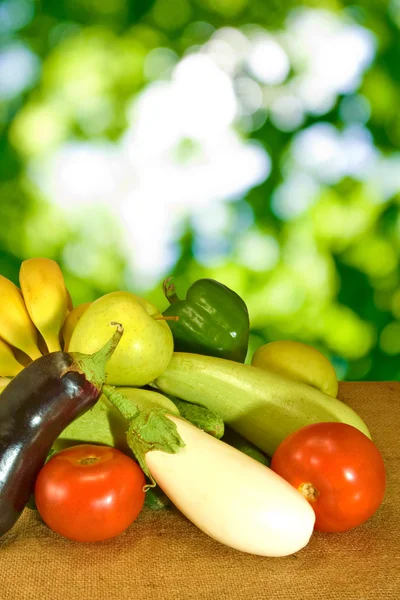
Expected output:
(35, 408)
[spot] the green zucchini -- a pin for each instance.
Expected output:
(156, 499)
(201, 417)
(237, 441)
(262, 406)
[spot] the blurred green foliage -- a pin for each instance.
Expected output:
(327, 274)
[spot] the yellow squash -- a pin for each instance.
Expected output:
(298, 361)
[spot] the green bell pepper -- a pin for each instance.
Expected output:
(213, 320)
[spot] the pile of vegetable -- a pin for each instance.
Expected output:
(114, 405)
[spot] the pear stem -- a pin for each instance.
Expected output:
(162, 318)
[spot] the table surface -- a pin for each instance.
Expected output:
(163, 556)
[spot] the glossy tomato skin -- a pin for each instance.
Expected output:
(344, 467)
(90, 493)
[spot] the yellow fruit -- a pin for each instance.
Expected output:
(9, 366)
(299, 362)
(4, 381)
(16, 327)
(23, 358)
(146, 346)
(43, 287)
(70, 305)
(71, 321)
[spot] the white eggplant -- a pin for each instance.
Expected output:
(230, 496)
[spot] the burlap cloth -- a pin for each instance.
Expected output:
(163, 557)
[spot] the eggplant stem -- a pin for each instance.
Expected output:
(148, 429)
(126, 407)
(102, 356)
(93, 366)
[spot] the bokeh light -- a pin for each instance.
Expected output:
(267, 61)
(212, 138)
(19, 69)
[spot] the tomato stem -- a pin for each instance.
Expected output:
(89, 460)
(309, 491)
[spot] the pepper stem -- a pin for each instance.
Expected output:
(148, 429)
(93, 366)
(170, 291)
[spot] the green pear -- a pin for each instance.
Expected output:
(146, 347)
(103, 424)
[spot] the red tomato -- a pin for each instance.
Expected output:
(338, 470)
(89, 493)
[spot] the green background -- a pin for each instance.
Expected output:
(312, 245)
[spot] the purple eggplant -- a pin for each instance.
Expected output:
(36, 406)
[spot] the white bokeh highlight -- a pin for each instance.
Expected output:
(182, 159)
